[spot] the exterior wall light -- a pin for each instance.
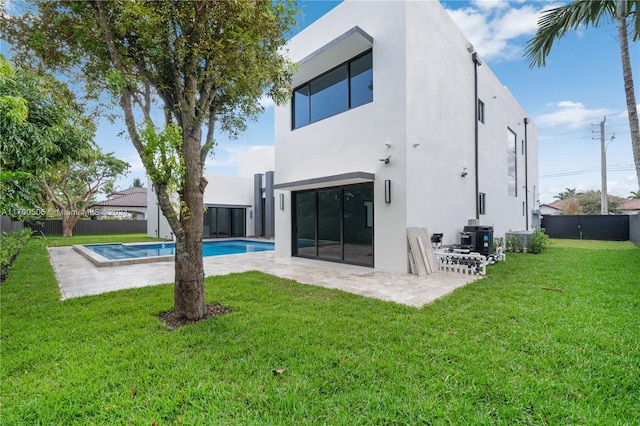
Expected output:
(387, 191)
(281, 201)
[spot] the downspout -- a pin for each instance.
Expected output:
(526, 173)
(477, 62)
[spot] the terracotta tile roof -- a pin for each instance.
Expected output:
(556, 204)
(133, 197)
(129, 191)
(630, 205)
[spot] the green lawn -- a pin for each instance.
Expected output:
(501, 350)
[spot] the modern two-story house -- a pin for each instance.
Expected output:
(395, 122)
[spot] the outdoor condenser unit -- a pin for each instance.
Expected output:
(482, 240)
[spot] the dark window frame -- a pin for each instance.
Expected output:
(318, 256)
(482, 203)
(307, 84)
(481, 111)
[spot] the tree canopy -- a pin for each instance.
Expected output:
(40, 125)
(178, 70)
(71, 185)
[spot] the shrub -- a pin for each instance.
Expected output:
(538, 241)
(514, 244)
(10, 246)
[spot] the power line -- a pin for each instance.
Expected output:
(612, 168)
(568, 123)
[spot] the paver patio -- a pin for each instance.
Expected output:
(77, 276)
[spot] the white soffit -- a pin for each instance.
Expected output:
(327, 181)
(334, 53)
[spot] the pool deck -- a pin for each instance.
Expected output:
(77, 276)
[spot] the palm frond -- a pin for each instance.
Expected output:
(555, 23)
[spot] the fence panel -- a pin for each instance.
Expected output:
(9, 226)
(562, 226)
(583, 227)
(91, 227)
(634, 229)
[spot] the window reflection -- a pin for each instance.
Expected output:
(512, 177)
(361, 75)
(347, 86)
(343, 218)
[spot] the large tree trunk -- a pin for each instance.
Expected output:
(631, 97)
(68, 223)
(189, 298)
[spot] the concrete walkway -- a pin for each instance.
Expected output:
(77, 276)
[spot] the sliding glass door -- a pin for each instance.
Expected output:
(224, 222)
(335, 224)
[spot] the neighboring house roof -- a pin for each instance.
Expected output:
(133, 197)
(134, 190)
(630, 205)
(557, 205)
(627, 205)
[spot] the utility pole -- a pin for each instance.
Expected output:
(604, 203)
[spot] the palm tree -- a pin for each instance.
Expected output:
(635, 195)
(555, 23)
(569, 193)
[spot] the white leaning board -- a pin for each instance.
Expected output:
(421, 257)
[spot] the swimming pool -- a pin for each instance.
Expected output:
(119, 251)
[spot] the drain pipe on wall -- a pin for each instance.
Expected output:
(526, 173)
(476, 63)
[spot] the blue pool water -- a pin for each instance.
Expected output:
(209, 248)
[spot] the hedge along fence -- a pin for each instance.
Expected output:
(10, 246)
(90, 227)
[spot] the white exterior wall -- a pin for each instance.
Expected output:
(225, 191)
(157, 224)
(502, 112)
(231, 191)
(353, 140)
(441, 118)
(441, 111)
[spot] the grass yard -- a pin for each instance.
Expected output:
(502, 350)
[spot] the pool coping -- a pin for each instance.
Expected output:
(102, 261)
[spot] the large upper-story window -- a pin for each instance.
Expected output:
(347, 86)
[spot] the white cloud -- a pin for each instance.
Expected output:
(490, 4)
(495, 27)
(573, 114)
(266, 102)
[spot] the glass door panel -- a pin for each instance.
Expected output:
(209, 228)
(223, 223)
(329, 224)
(238, 223)
(305, 221)
(358, 224)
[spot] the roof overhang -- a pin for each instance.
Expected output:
(350, 178)
(336, 52)
(228, 206)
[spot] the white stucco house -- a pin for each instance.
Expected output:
(395, 122)
(237, 206)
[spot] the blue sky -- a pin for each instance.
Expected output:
(581, 84)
